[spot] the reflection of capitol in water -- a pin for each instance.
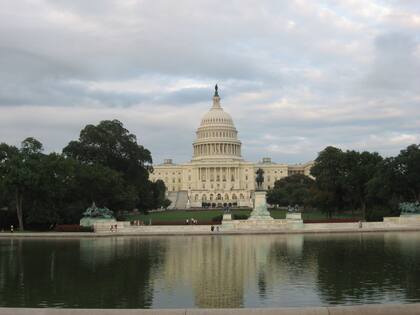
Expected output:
(211, 271)
(219, 268)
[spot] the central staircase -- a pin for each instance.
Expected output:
(179, 199)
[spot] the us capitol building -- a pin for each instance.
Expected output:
(217, 175)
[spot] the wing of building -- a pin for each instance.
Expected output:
(217, 175)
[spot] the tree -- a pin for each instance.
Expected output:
(328, 171)
(359, 169)
(291, 190)
(110, 145)
(407, 164)
(18, 171)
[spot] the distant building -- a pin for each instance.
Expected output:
(217, 175)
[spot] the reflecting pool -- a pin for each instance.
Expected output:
(211, 271)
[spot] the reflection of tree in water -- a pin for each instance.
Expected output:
(366, 268)
(36, 272)
(219, 270)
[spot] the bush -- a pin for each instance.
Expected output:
(240, 216)
(218, 218)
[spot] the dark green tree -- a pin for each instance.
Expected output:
(19, 172)
(291, 190)
(407, 165)
(328, 170)
(358, 169)
(110, 145)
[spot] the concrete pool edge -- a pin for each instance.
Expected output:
(162, 232)
(367, 309)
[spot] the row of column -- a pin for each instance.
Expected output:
(216, 149)
(218, 174)
(216, 134)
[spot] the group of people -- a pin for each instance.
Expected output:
(191, 221)
(294, 208)
(212, 228)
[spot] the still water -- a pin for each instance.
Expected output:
(211, 271)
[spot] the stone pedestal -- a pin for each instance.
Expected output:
(227, 217)
(294, 216)
(260, 211)
(89, 222)
(294, 219)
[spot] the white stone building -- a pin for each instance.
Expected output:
(217, 175)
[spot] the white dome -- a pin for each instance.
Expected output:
(216, 116)
(217, 135)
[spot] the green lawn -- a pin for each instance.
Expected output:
(208, 215)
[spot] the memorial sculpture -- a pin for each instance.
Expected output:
(260, 211)
(95, 212)
(93, 215)
(260, 178)
(409, 208)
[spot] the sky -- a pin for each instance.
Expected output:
(296, 76)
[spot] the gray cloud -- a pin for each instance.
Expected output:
(296, 76)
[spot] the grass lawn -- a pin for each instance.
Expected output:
(208, 215)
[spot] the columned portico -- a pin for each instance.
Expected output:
(217, 175)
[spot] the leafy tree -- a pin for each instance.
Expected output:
(18, 171)
(396, 179)
(159, 197)
(110, 145)
(329, 173)
(291, 190)
(407, 164)
(359, 169)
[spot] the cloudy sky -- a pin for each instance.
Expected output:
(295, 75)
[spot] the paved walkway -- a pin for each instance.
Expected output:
(375, 309)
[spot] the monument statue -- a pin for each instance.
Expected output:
(94, 212)
(409, 208)
(260, 178)
(216, 90)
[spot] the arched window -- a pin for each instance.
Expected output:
(211, 196)
(234, 197)
(241, 196)
(226, 197)
(219, 197)
(203, 197)
(196, 197)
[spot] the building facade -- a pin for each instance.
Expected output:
(217, 175)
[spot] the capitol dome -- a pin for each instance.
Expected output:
(217, 136)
